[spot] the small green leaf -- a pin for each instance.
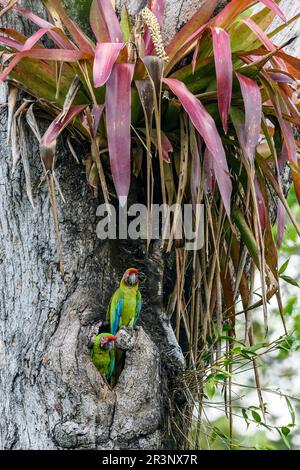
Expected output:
(209, 389)
(285, 440)
(245, 415)
(256, 416)
(290, 280)
(285, 430)
(283, 267)
(291, 410)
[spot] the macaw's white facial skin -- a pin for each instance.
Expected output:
(131, 277)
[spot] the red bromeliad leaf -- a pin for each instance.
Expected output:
(79, 37)
(64, 55)
(195, 146)
(223, 64)
(26, 47)
(280, 222)
(262, 209)
(272, 5)
(253, 109)
(281, 77)
(206, 127)
(96, 114)
(195, 55)
(105, 57)
(281, 161)
(157, 7)
(287, 132)
(167, 147)
(104, 22)
(58, 36)
(195, 35)
(209, 171)
(234, 8)
(265, 40)
(12, 43)
(146, 94)
(296, 178)
(58, 125)
(197, 20)
(118, 121)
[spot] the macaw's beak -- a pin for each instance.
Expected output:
(132, 279)
(111, 342)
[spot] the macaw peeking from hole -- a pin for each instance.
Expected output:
(126, 303)
(103, 354)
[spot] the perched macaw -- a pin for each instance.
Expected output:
(103, 353)
(126, 303)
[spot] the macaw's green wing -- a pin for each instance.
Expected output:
(115, 311)
(138, 307)
(91, 346)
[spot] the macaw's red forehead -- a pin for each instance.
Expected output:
(108, 338)
(132, 271)
(111, 338)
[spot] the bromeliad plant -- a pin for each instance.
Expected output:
(209, 118)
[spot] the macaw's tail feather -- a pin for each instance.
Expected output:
(119, 366)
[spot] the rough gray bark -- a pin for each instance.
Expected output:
(51, 394)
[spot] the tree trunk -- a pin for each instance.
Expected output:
(52, 397)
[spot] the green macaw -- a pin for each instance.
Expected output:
(126, 303)
(103, 354)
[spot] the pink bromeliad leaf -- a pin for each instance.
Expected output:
(223, 64)
(166, 145)
(29, 49)
(189, 30)
(206, 127)
(195, 145)
(262, 36)
(27, 46)
(157, 7)
(280, 222)
(234, 8)
(105, 57)
(59, 124)
(58, 36)
(287, 132)
(65, 55)
(97, 111)
(104, 22)
(118, 121)
(209, 171)
(281, 161)
(12, 43)
(82, 41)
(272, 5)
(262, 209)
(253, 109)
